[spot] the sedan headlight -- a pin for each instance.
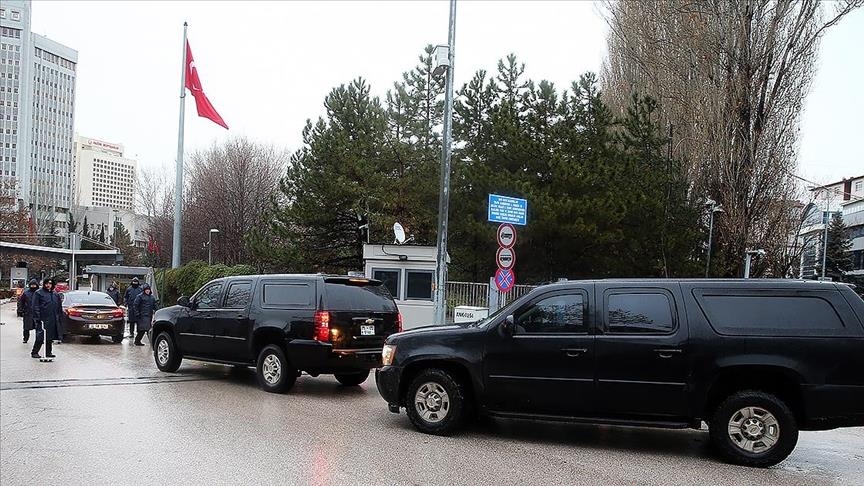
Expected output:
(387, 354)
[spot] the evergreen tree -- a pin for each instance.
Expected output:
(121, 240)
(838, 257)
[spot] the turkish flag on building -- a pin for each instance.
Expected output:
(193, 84)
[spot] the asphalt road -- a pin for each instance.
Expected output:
(102, 414)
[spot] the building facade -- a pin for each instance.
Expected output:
(37, 109)
(104, 220)
(846, 198)
(103, 176)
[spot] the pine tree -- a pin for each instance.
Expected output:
(838, 258)
(121, 240)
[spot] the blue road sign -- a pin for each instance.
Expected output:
(505, 280)
(504, 209)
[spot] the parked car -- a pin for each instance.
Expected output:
(282, 325)
(758, 360)
(90, 313)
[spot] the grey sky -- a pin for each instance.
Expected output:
(266, 66)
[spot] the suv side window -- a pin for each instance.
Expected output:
(287, 294)
(639, 313)
(238, 295)
(557, 314)
(209, 297)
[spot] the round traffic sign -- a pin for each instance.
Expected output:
(506, 235)
(505, 280)
(506, 258)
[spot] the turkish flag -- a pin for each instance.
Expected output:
(193, 84)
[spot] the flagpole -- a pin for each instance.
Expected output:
(178, 184)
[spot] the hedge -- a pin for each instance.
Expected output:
(186, 280)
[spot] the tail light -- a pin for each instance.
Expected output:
(118, 312)
(322, 326)
(399, 322)
(73, 312)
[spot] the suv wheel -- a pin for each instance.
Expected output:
(275, 374)
(436, 402)
(165, 353)
(753, 428)
(352, 379)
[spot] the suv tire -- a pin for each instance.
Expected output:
(436, 402)
(753, 428)
(275, 374)
(352, 379)
(165, 353)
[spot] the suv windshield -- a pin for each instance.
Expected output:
(87, 298)
(368, 296)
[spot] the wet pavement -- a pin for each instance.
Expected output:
(102, 413)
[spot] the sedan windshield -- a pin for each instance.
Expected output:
(87, 298)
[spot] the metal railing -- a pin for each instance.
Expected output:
(477, 294)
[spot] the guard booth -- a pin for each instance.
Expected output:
(101, 277)
(409, 273)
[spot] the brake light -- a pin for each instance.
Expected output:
(73, 312)
(399, 322)
(322, 326)
(118, 312)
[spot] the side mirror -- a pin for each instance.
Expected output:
(184, 301)
(508, 326)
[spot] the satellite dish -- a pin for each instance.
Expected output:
(399, 233)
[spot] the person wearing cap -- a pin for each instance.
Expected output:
(25, 307)
(46, 318)
(132, 292)
(145, 306)
(114, 293)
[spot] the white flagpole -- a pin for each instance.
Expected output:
(178, 187)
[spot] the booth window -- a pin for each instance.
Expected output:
(419, 285)
(390, 279)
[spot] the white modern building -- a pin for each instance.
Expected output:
(105, 219)
(103, 176)
(37, 108)
(845, 197)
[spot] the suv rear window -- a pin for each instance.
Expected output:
(771, 315)
(348, 295)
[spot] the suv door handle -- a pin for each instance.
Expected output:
(574, 352)
(667, 353)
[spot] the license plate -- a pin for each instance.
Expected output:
(367, 330)
(98, 326)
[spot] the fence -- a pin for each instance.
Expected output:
(479, 295)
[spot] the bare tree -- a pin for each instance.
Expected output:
(230, 189)
(731, 77)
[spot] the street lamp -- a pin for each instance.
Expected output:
(750, 253)
(210, 246)
(443, 57)
(714, 208)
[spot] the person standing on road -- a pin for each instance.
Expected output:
(132, 292)
(145, 306)
(46, 318)
(114, 293)
(25, 308)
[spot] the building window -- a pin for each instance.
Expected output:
(418, 285)
(16, 15)
(859, 186)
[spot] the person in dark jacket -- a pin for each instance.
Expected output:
(114, 293)
(46, 318)
(145, 307)
(132, 292)
(25, 308)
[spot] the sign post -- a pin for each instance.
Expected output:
(508, 211)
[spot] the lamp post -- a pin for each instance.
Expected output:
(714, 208)
(444, 195)
(210, 246)
(748, 257)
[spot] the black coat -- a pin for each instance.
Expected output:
(129, 300)
(145, 307)
(115, 295)
(46, 309)
(25, 308)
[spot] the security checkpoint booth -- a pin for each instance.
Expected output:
(101, 277)
(408, 272)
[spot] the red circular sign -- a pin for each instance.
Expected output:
(505, 280)
(505, 258)
(506, 235)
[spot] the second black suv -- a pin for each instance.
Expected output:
(282, 325)
(758, 360)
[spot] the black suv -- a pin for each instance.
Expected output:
(282, 324)
(758, 360)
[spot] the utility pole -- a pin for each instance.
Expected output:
(444, 194)
(178, 184)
